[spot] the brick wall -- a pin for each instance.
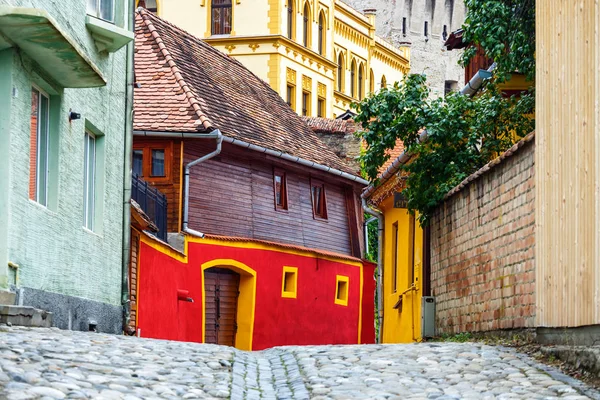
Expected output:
(482, 248)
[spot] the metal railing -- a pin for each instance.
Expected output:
(153, 202)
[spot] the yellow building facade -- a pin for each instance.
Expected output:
(402, 265)
(319, 55)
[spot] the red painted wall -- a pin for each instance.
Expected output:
(311, 318)
(368, 304)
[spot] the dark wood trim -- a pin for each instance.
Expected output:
(147, 147)
(352, 222)
(282, 173)
(314, 183)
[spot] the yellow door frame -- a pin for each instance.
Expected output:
(246, 300)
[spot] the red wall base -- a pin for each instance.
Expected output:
(312, 318)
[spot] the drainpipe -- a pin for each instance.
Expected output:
(379, 215)
(128, 133)
(186, 184)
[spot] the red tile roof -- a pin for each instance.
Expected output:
(331, 126)
(394, 154)
(189, 86)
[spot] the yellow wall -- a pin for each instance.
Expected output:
(404, 326)
(259, 39)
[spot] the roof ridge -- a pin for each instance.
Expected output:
(204, 121)
(204, 44)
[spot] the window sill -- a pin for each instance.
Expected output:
(90, 232)
(107, 35)
(42, 207)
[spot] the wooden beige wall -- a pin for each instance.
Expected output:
(567, 161)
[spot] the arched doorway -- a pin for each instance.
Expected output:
(228, 300)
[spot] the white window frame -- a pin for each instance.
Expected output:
(94, 8)
(89, 173)
(42, 168)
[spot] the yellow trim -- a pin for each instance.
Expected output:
(158, 6)
(360, 301)
(180, 185)
(289, 294)
(273, 74)
(246, 301)
(264, 246)
(208, 4)
(346, 280)
(274, 16)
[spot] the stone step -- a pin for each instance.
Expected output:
(25, 316)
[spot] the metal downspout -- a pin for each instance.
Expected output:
(128, 133)
(379, 215)
(186, 183)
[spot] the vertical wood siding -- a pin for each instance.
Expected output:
(567, 163)
(232, 195)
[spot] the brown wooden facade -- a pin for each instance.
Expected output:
(170, 184)
(233, 194)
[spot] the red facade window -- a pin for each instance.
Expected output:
(280, 189)
(221, 17)
(319, 201)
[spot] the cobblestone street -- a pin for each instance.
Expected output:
(50, 363)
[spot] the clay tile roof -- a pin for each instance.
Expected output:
(331, 126)
(189, 86)
(394, 154)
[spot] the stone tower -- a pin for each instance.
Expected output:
(425, 25)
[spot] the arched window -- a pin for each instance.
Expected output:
(361, 82)
(306, 26)
(290, 19)
(371, 82)
(321, 34)
(383, 82)
(353, 79)
(221, 17)
(340, 73)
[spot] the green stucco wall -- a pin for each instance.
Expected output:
(53, 250)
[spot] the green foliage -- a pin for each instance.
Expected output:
(458, 338)
(372, 239)
(463, 134)
(505, 31)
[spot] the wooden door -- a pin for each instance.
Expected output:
(221, 288)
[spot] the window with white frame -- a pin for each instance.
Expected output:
(39, 146)
(103, 9)
(89, 180)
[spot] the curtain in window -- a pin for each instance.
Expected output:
(221, 17)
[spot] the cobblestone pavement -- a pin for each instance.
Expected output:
(55, 364)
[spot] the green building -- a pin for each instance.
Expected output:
(65, 129)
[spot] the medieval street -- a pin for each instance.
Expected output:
(52, 363)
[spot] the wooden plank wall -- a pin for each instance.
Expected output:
(232, 195)
(567, 163)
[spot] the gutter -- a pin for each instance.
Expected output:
(128, 145)
(295, 159)
(186, 183)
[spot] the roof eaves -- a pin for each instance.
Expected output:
(202, 118)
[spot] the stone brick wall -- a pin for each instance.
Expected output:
(428, 55)
(482, 248)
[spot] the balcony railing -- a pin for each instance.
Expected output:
(153, 202)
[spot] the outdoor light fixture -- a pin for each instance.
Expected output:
(73, 115)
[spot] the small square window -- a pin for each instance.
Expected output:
(319, 201)
(152, 161)
(289, 282)
(280, 189)
(341, 290)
